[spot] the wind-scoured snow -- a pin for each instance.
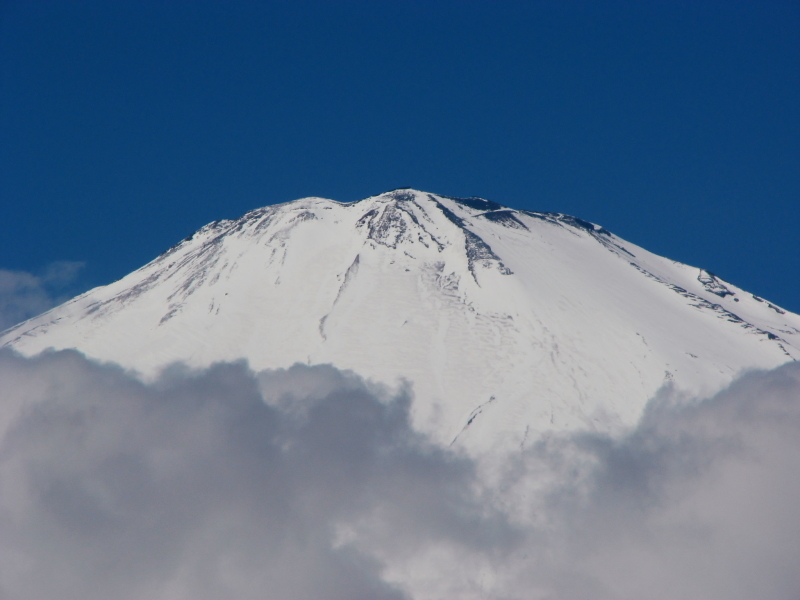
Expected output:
(506, 322)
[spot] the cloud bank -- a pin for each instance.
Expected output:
(195, 488)
(311, 483)
(699, 501)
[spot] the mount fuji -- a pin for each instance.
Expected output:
(506, 323)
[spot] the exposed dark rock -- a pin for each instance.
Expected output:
(712, 284)
(505, 218)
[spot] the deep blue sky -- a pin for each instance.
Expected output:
(125, 126)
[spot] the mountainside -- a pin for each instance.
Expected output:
(506, 322)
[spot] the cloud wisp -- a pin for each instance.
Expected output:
(24, 295)
(311, 483)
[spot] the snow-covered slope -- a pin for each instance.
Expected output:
(506, 322)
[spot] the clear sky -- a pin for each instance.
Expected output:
(125, 126)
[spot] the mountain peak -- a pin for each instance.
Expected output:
(505, 321)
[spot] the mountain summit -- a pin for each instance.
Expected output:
(506, 322)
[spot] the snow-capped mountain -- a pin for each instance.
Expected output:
(506, 322)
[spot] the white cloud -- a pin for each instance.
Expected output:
(310, 483)
(699, 501)
(24, 295)
(195, 488)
